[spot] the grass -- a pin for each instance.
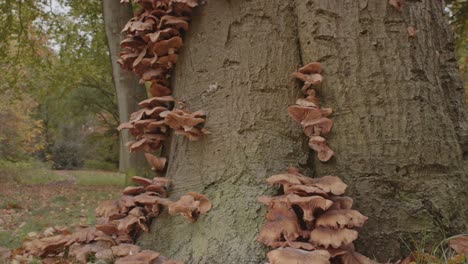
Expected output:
(33, 197)
(425, 253)
(97, 178)
(27, 172)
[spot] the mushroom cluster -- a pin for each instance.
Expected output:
(151, 123)
(119, 223)
(311, 221)
(154, 37)
(307, 112)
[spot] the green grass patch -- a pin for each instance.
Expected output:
(8, 240)
(32, 172)
(99, 178)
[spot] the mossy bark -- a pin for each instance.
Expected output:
(400, 125)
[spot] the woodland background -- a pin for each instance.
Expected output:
(59, 112)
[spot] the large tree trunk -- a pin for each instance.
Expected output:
(400, 124)
(129, 91)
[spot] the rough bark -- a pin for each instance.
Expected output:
(236, 66)
(129, 91)
(400, 124)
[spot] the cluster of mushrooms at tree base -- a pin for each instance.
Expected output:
(311, 221)
(119, 223)
(154, 37)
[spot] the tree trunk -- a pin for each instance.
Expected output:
(129, 91)
(400, 126)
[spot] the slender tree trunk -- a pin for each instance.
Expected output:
(129, 92)
(400, 125)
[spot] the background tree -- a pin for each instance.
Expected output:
(400, 124)
(129, 92)
(54, 54)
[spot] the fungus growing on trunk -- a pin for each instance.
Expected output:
(309, 115)
(311, 217)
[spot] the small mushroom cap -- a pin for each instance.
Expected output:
(303, 114)
(108, 208)
(341, 218)
(304, 190)
(146, 198)
(156, 163)
(309, 204)
(157, 188)
(324, 153)
(125, 249)
(159, 90)
(309, 79)
(341, 202)
(283, 179)
(326, 111)
(332, 237)
(298, 256)
(308, 102)
(321, 126)
(143, 257)
(313, 67)
(108, 229)
(162, 181)
(156, 101)
(186, 206)
(142, 181)
(330, 184)
(282, 225)
(459, 244)
(133, 190)
(205, 204)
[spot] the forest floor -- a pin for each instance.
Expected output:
(31, 203)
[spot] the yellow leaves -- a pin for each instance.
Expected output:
(20, 133)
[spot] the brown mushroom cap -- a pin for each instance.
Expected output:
(186, 206)
(324, 153)
(282, 225)
(178, 119)
(304, 190)
(157, 188)
(165, 47)
(133, 190)
(156, 163)
(298, 256)
(330, 184)
(332, 237)
(313, 67)
(304, 114)
(108, 208)
(309, 204)
(142, 181)
(156, 101)
(321, 126)
(283, 179)
(205, 204)
(143, 257)
(162, 181)
(341, 218)
(125, 249)
(341, 202)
